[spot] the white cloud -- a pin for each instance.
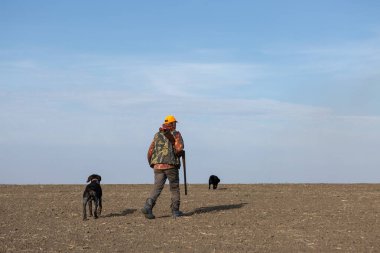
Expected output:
(184, 79)
(344, 59)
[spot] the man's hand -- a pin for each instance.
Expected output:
(180, 153)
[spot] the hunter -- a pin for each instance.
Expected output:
(164, 157)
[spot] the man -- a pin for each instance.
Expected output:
(164, 157)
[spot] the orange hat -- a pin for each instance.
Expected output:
(170, 119)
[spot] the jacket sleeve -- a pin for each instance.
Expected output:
(179, 145)
(150, 151)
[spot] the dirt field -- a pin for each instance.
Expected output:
(234, 218)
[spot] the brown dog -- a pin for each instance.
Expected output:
(93, 192)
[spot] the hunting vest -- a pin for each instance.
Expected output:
(163, 151)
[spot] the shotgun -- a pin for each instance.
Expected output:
(184, 170)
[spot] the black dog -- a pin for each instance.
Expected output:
(214, 181)
(93, 192)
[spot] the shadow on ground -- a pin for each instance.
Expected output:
(122, 213)
(207, 209)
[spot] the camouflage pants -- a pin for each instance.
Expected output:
(160, 177)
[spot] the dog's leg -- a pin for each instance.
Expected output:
(96, 208)
(90, 208)
(209, 185)
(85, 200)
(100, 206)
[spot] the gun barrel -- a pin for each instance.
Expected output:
(184, 170)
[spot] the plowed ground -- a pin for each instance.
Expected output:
(234, 218)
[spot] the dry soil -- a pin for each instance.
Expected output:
(233, 218)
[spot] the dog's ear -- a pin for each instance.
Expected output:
(89, 179)
(99, 178)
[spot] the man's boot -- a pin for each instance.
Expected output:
(175, 209)
(147, 209)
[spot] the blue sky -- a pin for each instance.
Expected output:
(265, 91)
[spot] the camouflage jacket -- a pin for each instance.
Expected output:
(162, 153)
